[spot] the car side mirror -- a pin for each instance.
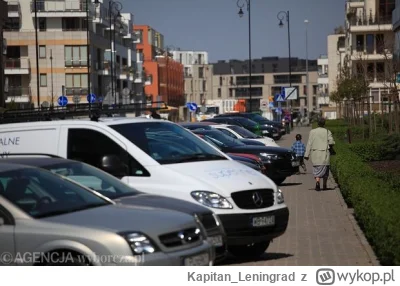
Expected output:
(2, 222)
(112, 165)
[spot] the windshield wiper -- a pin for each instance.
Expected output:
(200, 157)
(61, 212)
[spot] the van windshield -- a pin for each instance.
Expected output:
(168, 143)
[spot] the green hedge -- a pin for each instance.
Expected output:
(369, 151)
(375, 202)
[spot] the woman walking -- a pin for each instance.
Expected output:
(317, 150)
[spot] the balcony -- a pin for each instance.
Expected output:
(70, 8)
(14, 10)
(16, 66)
(364, 23)
(18, 94)
(355, 3)
(70, 91)
(76, 62)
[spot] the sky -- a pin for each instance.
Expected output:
(214, 25)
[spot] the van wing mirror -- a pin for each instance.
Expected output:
(112, 165)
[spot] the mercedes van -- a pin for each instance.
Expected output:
(163, 158)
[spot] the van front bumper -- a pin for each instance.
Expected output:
(239, 229)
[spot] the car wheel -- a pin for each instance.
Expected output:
(279, 181)
(63, 259)
(254, 250)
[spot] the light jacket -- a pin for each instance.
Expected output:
(317, 148)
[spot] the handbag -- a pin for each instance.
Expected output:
(332, 151)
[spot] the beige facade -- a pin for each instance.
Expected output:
(230, 86)
(370, 42)
(198, 84)
(336, 53)
(72, 60)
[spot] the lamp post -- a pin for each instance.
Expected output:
(309, 105)
(240, 4)
(52, 81)
(37, 55)
(281, 16)
(88, 48)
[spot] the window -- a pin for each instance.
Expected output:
(231, 92)
(227, 132)
(201, 72)
(42, 52)
(220, 80)
(204, 85)
(284, 78)
(42, 24)
(315, 89)
(75, 56)
(76, 83)
(380, 43)
(370, 44)
(380, 71)
(165, 142)
(91, 146)
(180, 57)
(43, 80)
(360, 43)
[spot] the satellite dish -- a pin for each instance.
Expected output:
(45, 104)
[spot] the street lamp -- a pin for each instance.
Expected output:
(37, 55)
(240, 4)
(307, 76)
(281, 16)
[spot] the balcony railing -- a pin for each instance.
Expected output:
(370, 20)
(18, 91)
(13, 7)
(16, 63)
(76, 62)
(62, 6)
(76, 91)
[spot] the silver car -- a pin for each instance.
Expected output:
(49, 220)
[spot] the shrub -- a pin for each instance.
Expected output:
(369, 151)
(375, 202)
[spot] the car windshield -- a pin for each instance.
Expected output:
(244, 132)
(93, 178)
(40, 193)
(168, 143)
(246, 122)
(257, 117)
(223, 139)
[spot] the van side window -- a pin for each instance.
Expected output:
(90, 146)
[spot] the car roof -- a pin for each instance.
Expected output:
(36, 161)
(6, 167)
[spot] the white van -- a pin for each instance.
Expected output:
(163, 158)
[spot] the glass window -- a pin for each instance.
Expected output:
(244, 132)
(370, 44)
(91, 146)
(227, 132)
(167, 143)
(40, 193)
(93, 178)
(77, 80)
(43, 80)
(42, 52)
(245, 122)
(223, 139)
(69, 80)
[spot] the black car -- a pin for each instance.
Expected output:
(195, 125)
(279, 162)
(247, 124)
(259, 119)
(120, 192)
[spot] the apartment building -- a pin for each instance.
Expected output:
(198, 75)
(162, 75)
(336, 46)
(3, 49)
(370, 42)
(269, 76)
(323, 82)
(396, 27)
(83, 47)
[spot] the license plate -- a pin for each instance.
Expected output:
(215, 240)
(295, 164)
(198, 260)
(263, 221)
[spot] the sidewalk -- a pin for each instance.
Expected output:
(321, 231)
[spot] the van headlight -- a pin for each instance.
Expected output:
(279, 197)
(211, 200)
(139, 243)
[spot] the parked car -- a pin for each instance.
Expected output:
(43, 213)
(259, 119)
(247, 124)
(238, 132)
(163, 158)
(120, 192)
(279, 162)
(197, 125)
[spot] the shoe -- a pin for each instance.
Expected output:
(317, 187)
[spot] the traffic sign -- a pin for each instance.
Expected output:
(278, 110)
(290, 93)
(62, 100)
(192, 106)
(280, 97)
(91, 98)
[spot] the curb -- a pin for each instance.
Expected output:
(360, 234)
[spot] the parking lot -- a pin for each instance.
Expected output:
(321, 229)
